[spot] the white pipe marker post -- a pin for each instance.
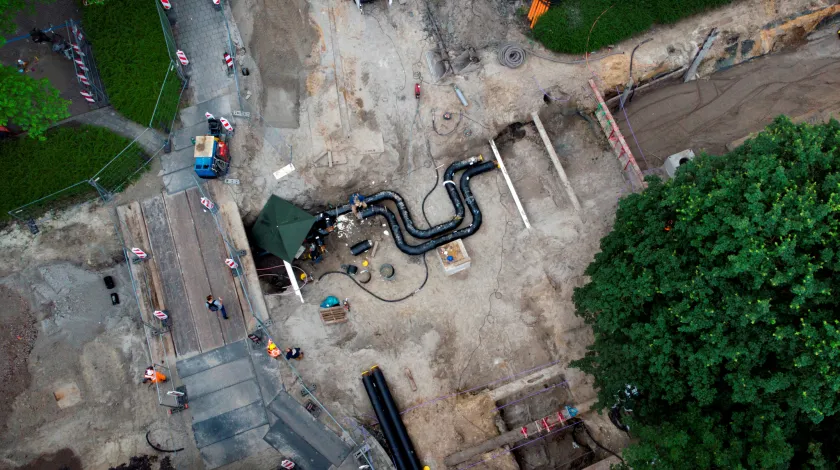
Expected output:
(510, 185)
(293, 280)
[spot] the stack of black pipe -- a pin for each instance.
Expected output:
(473, 166)
(389, 420)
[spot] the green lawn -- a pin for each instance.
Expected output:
(565, 27)
(34, 169)
(131, 53)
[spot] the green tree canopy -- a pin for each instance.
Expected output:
(31, 104)
(717, 295)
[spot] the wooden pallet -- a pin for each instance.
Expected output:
(333, 315)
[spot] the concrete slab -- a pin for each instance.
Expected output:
(179, 180)
(182, 138)
(236, 448)
(218, 377)
(219, 106)
(224, 400)
(291, 444)
(208, 360)
(163, 251)
(268, 372)
(193, 262)
(297, 419)
(226, 425)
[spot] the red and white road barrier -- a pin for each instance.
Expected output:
(228, 60)
(217, 2)
(207, 203)
(76, 32)
(287, 464)
(225, 123)
(81, 64)
(140, 253)
(182, 57)
(231, 263)
(83, 79)
(160, 315)
(209, 116)
(166, 4)
(89, 99)
(78, 50)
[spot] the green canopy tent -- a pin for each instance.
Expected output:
(281, 228)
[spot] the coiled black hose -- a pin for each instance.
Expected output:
(469, 199)
(408, 221)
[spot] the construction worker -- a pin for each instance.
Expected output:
(357, 201)
(153, 376)
(273, 350)
(294, 353)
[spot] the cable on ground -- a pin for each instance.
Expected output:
(511, 55)
(426, 278)
(158, 448)
(585, 428)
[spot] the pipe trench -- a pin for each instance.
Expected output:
(405, 214)
(469, 199)
(385, 422)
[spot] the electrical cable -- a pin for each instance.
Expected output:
(511, 55)
(158, 448)
(426, 278)
(434, 125)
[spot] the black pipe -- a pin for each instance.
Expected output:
(384, 422)
(394, 414)
(408, 221)
(361, 247)
(444, 239)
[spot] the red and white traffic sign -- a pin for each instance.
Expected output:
(140, 253)
(225, 123)
(88, 97)
(166, 4)
(228, 60)
(207, 203)
(231, 263)
(287, 464)
(160, 315)
(182, 57)
(208, 115)
(83, 79)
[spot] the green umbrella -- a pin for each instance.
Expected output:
(281, 228)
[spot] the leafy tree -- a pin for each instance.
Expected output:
(9, 9)
(717, 295)
(31, 104)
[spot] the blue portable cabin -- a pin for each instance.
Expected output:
(212, 158)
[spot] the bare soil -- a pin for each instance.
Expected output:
(17, 337)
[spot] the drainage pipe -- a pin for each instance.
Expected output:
(396, 231)
(394, 414)
(408, 221)
(384, 422)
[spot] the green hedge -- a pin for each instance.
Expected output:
(131, 54)
(34, 168)
(565, 27)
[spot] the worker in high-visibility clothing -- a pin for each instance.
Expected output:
(273, 350)
(153, 376)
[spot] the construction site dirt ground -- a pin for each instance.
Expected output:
(326, 78)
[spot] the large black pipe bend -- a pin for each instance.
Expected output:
(396, 420)
(396, 231)
(408, 221)
(385, 422)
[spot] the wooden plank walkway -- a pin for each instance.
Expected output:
(221, 279)
(163, 250)
(196, 284)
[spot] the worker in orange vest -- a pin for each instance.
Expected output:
(153, 376)
(273, 350)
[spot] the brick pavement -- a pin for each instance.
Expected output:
(202, 35)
